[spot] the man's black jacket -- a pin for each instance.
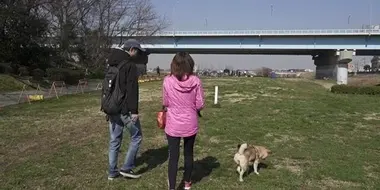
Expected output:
(128, 80)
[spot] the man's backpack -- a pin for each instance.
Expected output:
(112, 96)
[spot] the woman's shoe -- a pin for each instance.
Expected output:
(187, 185)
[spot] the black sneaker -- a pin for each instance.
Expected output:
(110, 177)
(129, 174)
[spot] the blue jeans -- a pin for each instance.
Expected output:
(116, 126)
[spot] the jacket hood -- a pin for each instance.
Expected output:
(116, 56)
(187, 85)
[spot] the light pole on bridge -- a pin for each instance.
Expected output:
(370, 14)
(173, 14)
(271, 10)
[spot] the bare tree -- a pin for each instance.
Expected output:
(92, 26)
(65, 17)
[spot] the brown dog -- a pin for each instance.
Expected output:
(248, 155)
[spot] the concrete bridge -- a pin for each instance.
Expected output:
(331, 50)
(286, 42)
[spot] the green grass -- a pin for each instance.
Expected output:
(320, 140)
(9, 84)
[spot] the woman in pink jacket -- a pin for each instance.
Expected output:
(183, 98)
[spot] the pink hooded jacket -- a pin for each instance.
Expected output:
(182, 99)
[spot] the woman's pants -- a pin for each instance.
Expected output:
(174, 156)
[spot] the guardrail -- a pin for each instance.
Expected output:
(267, 32)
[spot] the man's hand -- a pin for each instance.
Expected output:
(134, 117)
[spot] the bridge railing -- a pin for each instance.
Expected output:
(271, 32)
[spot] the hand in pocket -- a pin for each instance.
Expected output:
(126, 119)
(134, 117)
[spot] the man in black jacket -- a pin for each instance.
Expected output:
(128, 82)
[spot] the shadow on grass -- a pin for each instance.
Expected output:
(153, 158)
(261, 165)
(202, 169)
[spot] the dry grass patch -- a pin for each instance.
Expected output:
(366, 130)
(54, 132)
(238, 97)
(274, 95)
(372, 116)
(364, 80)
(214, 140)
(281, 139)
(158, 140)
(147, 94)
(370, 171)
(218, 80)
(327, 84)
(329, 183)
(275, 88)
(294, 166)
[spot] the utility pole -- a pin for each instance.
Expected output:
(370, 13)
(173, 11)
(356, 67)
(271, 10)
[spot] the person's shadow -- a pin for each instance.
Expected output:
(202, 168)
(153, 158)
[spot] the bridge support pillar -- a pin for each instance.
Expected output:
(345, 57)
(325, 63)
(333, 63)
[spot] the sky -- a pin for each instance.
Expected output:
(259, 15)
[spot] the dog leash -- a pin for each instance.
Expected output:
(241, 139)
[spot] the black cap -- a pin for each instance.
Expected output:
(132, 43)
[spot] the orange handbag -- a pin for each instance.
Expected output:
(161, 119)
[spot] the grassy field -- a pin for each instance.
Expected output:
(9, 84)
(320, 140)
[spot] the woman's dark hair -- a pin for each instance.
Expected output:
(182, 65)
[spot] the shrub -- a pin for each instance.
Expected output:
(67, 75)
(38, 74)
(97, 74)
(263, 72)
(73, 76)
(55, 74)
(5, 68)
(344, 89)
(23, 71)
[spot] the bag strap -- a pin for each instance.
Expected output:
(121, 64)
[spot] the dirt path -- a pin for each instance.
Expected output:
(11, 98)
(326, 84)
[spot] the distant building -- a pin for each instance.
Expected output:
(374, 26)
(309, 70)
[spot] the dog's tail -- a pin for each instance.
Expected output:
(242, 148)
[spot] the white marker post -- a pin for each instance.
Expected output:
(216, 96)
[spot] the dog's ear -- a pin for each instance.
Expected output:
(238, 146)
